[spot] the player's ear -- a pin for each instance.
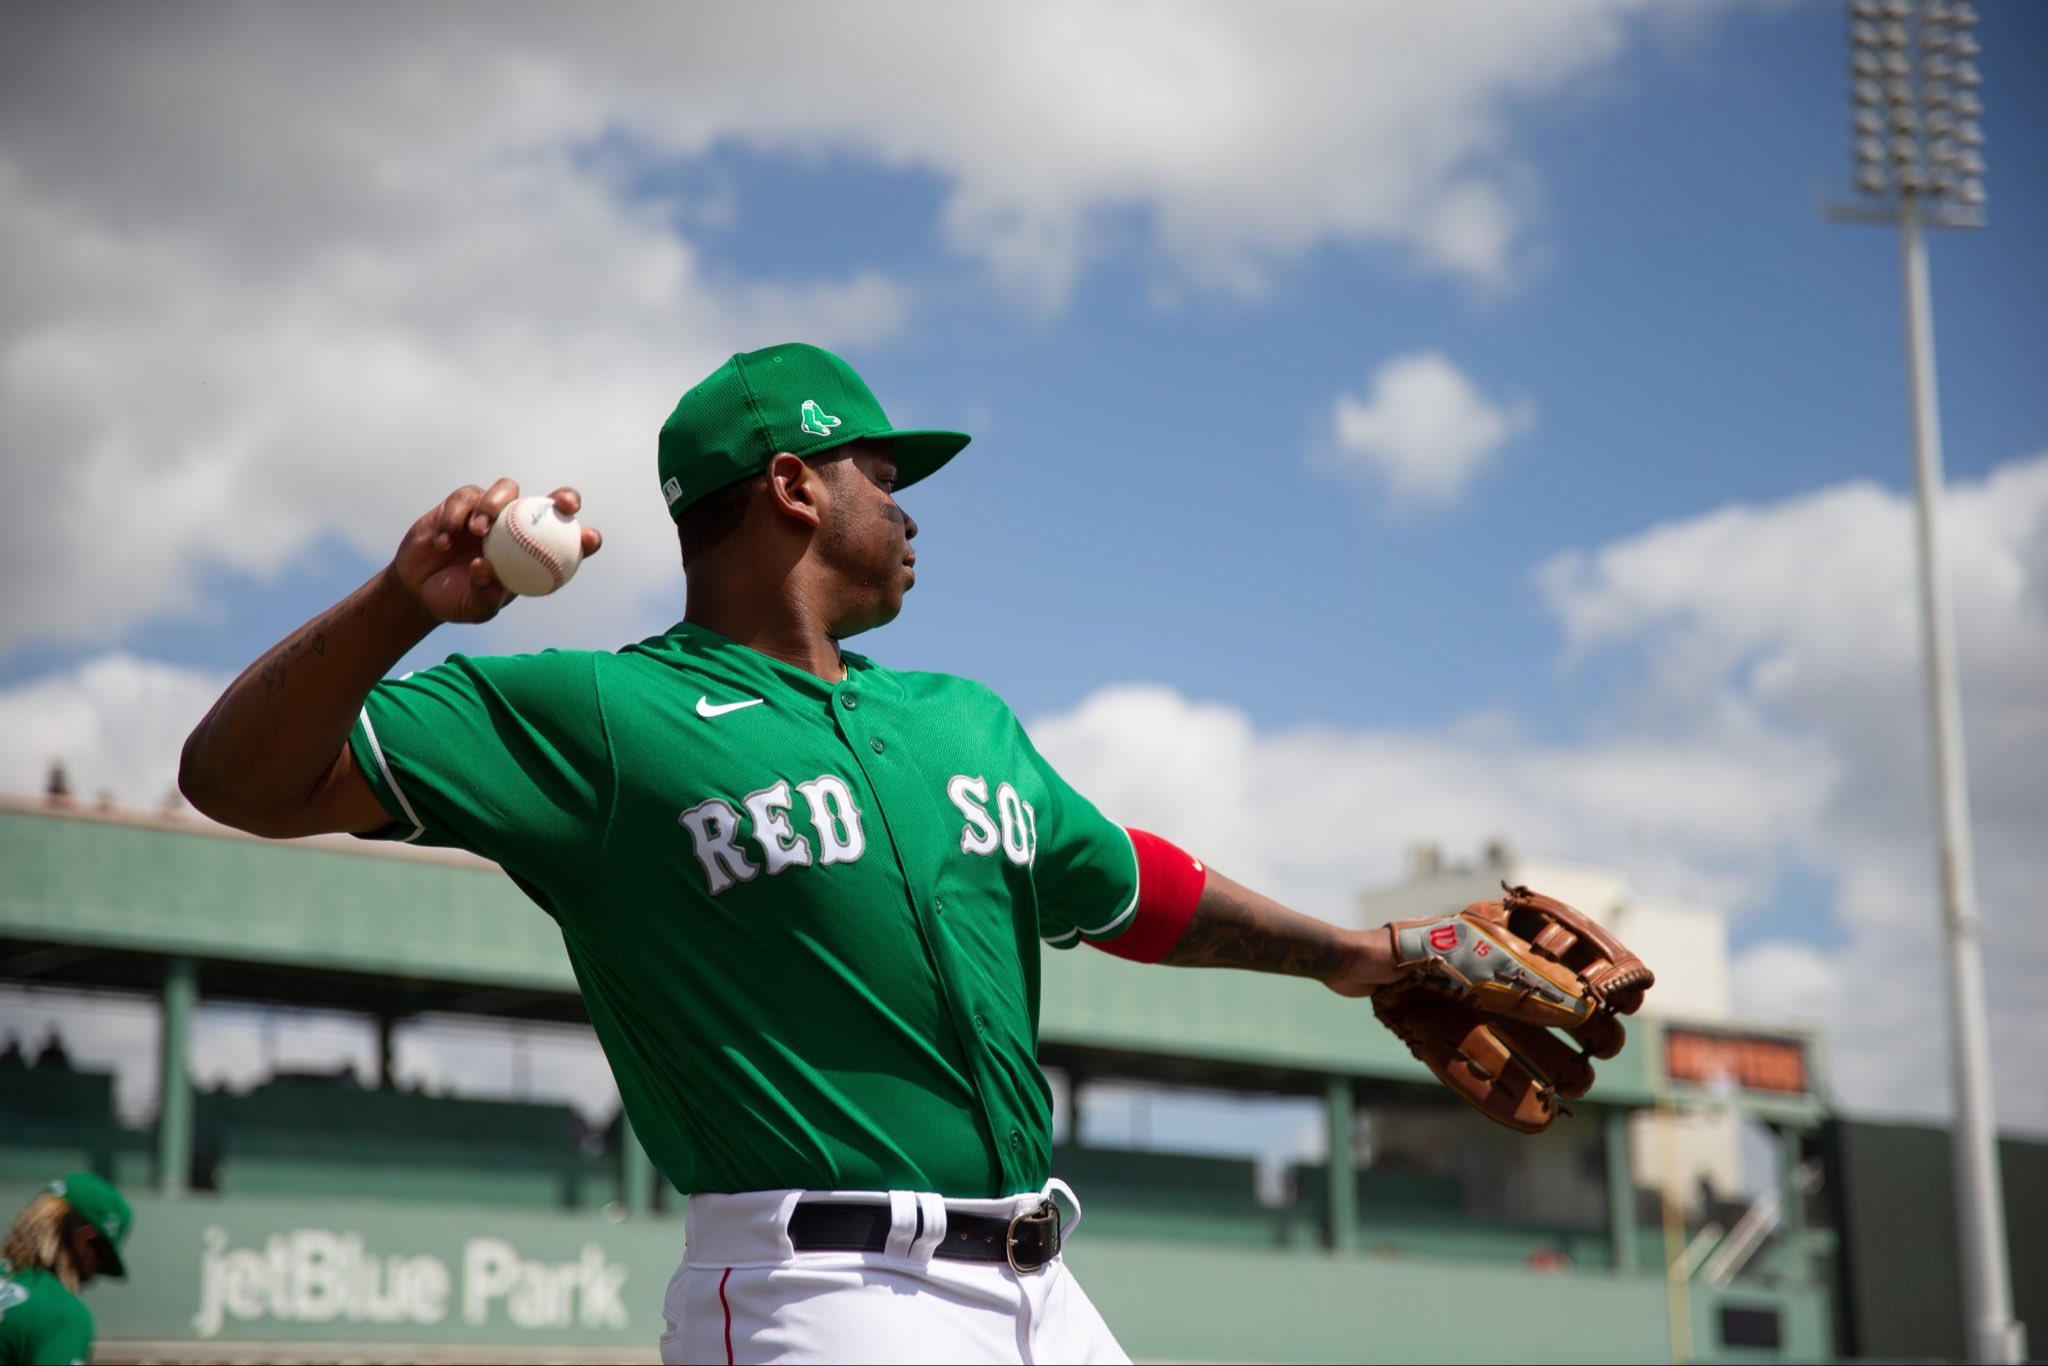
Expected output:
(795, 489)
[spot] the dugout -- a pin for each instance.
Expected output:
(343, 1209)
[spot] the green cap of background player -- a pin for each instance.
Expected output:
(100, 1205)
(796, 398)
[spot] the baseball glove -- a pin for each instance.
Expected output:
(1494, 992)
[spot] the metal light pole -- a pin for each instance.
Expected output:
(1918, 167)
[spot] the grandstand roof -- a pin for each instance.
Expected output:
(98, 899)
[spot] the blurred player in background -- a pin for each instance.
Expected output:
(69, 1234)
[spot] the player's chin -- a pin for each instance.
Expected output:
(885, 608)
(891, 587)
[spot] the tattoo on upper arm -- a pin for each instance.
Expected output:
(311, 641)
(1226, 935)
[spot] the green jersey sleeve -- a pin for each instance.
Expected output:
(1083, 866)
(505, 756)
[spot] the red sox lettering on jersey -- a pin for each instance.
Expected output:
(1019, 836)
(891, 842)
(715, 827)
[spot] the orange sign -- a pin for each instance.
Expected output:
(1750, 1063)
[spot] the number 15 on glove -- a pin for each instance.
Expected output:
(1494, 992)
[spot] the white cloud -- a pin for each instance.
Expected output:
(115, 722)
(1316, 814)
(284, 277)
(1423, 431)
(1804, 616)
(287, 288)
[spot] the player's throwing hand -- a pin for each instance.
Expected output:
(440, 562)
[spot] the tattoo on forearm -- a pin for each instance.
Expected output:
(1236, 936)
(311, 641)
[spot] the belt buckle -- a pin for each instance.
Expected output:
(1046, 1212)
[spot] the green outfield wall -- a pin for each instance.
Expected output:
(225, 1271)
(255, 1226)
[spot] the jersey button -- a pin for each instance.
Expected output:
(981, 1022)
(876, 745)
(1016, 1139)
(938, 903)
(848, 700)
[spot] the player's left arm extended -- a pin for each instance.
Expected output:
(1235, 927)
(1189, 915)
(1482, 996)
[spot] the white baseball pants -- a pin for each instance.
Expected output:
(743, 1294)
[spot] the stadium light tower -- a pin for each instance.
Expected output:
(1913, 87)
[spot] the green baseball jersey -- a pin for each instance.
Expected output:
(805, 916)
(41, 1323)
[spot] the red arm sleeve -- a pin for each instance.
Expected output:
(1170, 882)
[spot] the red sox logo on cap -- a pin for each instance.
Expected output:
(816, 420)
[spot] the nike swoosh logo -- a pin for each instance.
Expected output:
(706, 709)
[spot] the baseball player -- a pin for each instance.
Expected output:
(802, 893)
(69, 1234)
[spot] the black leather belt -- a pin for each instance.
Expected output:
(1026, 1242)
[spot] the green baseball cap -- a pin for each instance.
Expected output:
(100, 1205)
(796, 398)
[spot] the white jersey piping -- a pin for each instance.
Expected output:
(391, 779)
(1137, 873)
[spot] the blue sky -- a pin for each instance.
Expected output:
(1667, 329)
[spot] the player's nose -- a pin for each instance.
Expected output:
(909, 527)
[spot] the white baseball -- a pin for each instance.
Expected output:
(533, 548)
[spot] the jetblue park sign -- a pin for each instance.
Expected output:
(228, 1268)
(325, 1276)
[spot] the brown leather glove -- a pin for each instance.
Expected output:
(1489, 985)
